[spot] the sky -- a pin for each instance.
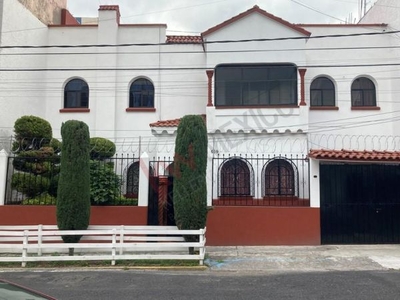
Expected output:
(195, 16)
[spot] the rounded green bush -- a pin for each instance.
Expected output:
(31, 132)
(105, 185)
(44, 199)
(56, 145)
(101, 148)
(30, 184)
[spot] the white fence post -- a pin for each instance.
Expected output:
(40, 229)
(121, 239)
(314, 183)
(3, 175)
(114, 242)
(202, 247)
(143, 199)
(25, 248)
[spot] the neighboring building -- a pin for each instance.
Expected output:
(49, 11)
(302, 118)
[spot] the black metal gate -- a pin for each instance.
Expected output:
(152, 217)
(152, 212)
(360, 203)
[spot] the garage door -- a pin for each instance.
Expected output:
(360, 203)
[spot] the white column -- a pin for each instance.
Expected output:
(209, 178)
(314, 183)
(144, 163)
(3, 175)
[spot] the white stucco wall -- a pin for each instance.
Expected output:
(178, 74)
(343, 67)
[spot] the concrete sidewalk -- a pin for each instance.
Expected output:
(304, 258)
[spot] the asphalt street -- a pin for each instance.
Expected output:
(140, 284)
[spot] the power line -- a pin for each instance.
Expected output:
(201, 52)
(204, 42)
(179, 68)
(316, 10)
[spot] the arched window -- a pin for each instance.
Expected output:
(132, 181)
(322, 92)
(235, 178)
(363, 92)
(279, 178)
(141, 93)
(76, 94)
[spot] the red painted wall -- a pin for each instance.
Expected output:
(46, 215)
(245, 226)
(226, 225)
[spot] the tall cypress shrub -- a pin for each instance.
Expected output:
(190, 165)
(73, 196)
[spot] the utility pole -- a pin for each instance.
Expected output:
(362, 8)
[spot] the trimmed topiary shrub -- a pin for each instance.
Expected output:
(56, 145)
(190, 164)
(101, 148)
(44, 199)
(73, 196)
(29, 184)
(36, 160)
(32, 133)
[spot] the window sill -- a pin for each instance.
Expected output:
(256, 106)
(365, 108)
(140, 109)
(74, 110)
(277, 201)
(324, 108)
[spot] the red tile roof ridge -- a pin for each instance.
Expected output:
(170, 123)
(109, 7)
(355, 154)
(184, 39)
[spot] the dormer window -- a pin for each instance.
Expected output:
(256, 85)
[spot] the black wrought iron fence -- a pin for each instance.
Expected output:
(260, 180)
(34, 181)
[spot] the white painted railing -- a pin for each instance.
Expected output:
(40, 243)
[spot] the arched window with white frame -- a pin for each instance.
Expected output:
(279, 178)
(236, 178)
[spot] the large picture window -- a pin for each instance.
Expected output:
(256, 85)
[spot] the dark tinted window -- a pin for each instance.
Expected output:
(363, 92)
(235, 178)
(259, 85)
(141, 93)
(322, 92)
(76, 94)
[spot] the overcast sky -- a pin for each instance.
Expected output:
(195, 16)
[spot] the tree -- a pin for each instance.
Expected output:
(190, 165)
(73, 196)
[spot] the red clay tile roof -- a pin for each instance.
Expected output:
(184, 39)
(257, 9)
(109, 7)
(355, 155)
(166, 123)
(171, 123)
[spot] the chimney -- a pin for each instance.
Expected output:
(105, 13)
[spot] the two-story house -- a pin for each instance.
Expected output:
(302, 118)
